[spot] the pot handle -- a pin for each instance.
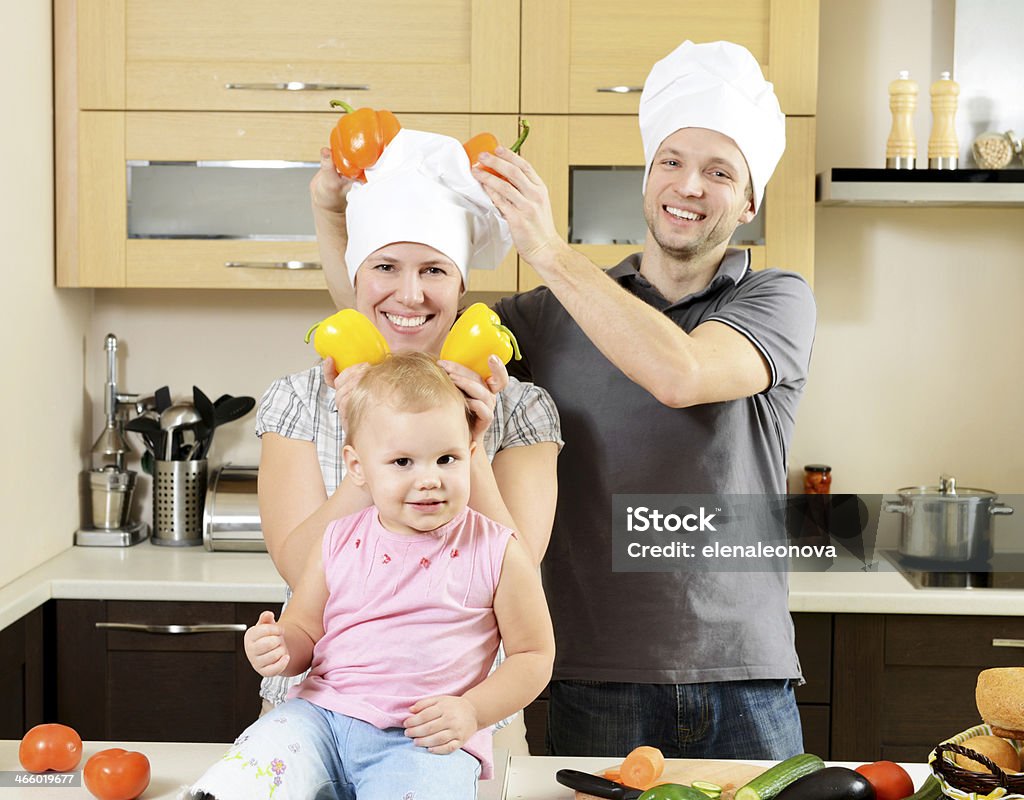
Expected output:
(898, 508)
(1000, 508)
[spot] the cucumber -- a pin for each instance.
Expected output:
(768, 784)
(712, 790)
(931, 789)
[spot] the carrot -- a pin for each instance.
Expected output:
(612, 774)
(642, 767)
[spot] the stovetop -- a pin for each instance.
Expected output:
(1004, 571)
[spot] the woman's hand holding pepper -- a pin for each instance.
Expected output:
(328, 189)
(343, 384)
(482, 395)
(522, 199)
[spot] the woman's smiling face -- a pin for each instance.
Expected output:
(410, 292)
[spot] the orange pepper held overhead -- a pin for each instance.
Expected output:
(359, 138)
(488, 143)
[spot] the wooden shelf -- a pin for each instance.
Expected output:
(920, 187)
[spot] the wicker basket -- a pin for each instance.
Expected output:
(962, 784)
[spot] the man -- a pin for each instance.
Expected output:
(677, 371)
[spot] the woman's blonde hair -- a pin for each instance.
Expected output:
(409, 381)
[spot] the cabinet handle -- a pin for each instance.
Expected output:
(141, 628)
(299, 86)
(621, 89)
(296, 265)
(1008, 642)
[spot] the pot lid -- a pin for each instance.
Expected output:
(947, 489)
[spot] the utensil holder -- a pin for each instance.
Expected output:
(179, 491)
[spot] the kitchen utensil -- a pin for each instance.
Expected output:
(107, 494)
(204, 406)
(231, 514)
(226, 409)
(946, 522)
(171, 419)
(162, 398)
(150, 431)
(179, 490)
(111, 447)
(595, 785)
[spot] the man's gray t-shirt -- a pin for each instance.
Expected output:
(668, 627)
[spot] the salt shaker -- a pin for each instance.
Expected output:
(943, 147)
(901, 149)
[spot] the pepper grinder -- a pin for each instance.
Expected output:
(901, 149)
(943, 147)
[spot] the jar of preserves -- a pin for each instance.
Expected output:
(817, 479)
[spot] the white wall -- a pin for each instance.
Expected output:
(43, 330)
(918, 360)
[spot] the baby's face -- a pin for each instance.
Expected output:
(416, 465)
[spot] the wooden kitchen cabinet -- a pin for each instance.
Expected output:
(125, 685)
(452, 56)
(574, 51)
(94, 245)
(22, 675)
(557, 144)
(903, 683)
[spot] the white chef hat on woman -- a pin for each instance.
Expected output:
(422, 190)
(718, 86)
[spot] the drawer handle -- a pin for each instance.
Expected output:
(1008, 642)
(133, 626)
(621, 89)
(292, 265)
(299, 86)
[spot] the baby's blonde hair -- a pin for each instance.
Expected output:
(410, 382)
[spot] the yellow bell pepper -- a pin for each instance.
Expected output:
(477, 335)
(349, 338)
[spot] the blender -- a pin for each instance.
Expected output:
(106, 488)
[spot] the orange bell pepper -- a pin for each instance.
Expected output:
(488, 143)
(359, 138)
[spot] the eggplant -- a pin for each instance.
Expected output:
(831, 783)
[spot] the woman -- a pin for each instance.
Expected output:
(412, 231)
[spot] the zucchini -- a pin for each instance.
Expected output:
(931, 789)
(768, 784)
(712, 790)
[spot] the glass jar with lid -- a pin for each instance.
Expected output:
(995, 150)
(817, 479)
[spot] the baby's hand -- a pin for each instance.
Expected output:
(441, 724)
(265, 647)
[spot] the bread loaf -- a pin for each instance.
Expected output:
(1000, 698)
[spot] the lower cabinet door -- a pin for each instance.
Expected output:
(155, 671)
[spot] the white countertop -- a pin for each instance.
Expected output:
(176, 765)
(150, 572)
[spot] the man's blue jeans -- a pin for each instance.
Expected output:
(754, 719)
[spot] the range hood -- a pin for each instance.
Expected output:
(920, 187)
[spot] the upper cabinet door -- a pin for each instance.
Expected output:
(592, 56)
(406, 55)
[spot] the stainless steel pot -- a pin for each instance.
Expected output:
(946, 522)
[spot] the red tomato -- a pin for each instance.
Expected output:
(116, 774)
(891, 781)
(50, 746)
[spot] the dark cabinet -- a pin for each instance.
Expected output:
(22, 675)
(155, 671)
(903, 683)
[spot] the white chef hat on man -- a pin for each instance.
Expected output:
(718, 86)
(422, 190)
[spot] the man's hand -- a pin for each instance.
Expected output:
(441, 724)
(265, 646)
(523, 202)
